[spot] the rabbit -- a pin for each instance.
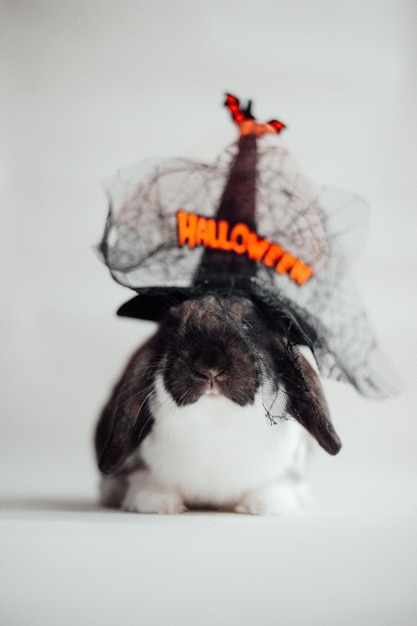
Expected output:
(186, 427)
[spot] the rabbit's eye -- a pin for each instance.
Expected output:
(197, 374)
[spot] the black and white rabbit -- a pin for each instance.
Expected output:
(187, 425)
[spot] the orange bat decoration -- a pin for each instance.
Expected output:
(245, 120)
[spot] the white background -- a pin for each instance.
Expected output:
(89, 87)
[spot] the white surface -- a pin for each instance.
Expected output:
(90, 568)
(90, 87)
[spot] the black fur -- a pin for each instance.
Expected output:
(224, 342)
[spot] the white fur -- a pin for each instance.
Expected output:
(218, 454)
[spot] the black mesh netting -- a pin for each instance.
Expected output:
(324, 228)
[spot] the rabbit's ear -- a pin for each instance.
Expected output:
(126, 419)
(308, 405)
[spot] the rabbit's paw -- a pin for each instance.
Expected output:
(143, 496)
(281, 499)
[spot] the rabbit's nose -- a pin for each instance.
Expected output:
(212, 387)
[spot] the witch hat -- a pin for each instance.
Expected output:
(248, 224)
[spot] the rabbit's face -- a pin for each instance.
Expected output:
(210, 353)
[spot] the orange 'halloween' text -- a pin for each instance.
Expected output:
(195, 230)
